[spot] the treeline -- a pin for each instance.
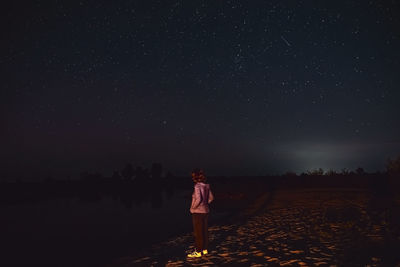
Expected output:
(135, 185)
(130, 186)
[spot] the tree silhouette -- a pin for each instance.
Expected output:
(360, 171)
(393, 166)
(156, 171)
(141, 174)
(393, 170)
(345, 171)
(319, 171)
(128, 172)
(116, 176)
(331, 172)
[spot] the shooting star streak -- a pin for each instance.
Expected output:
(288, 44)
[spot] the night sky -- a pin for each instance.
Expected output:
(249, 87)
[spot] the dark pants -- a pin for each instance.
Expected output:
(200, 227)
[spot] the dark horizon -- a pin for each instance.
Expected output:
(298, 160)
(40, 176)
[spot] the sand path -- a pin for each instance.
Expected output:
(294, 228)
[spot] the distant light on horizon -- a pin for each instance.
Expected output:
(302, 157)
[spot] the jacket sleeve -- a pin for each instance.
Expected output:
(196, 200)
(210, 197)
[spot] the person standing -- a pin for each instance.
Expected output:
(201, 197)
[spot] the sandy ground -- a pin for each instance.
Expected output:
(318, 227)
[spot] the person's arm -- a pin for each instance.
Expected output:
(196, 200)
(210, 197)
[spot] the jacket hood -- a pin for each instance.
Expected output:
(202, 185)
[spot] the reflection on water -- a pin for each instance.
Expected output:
(91, 229)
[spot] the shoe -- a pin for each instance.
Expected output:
(205, 251)
(194, 254)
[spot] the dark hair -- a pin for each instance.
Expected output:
(198, 176)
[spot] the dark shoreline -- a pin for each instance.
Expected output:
(344, 224)
(236, 200)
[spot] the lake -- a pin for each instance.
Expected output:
(74, 232)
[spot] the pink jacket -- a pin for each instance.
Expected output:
(201, 197)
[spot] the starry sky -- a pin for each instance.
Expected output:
(233, 87)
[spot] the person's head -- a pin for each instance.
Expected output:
(198, 176)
